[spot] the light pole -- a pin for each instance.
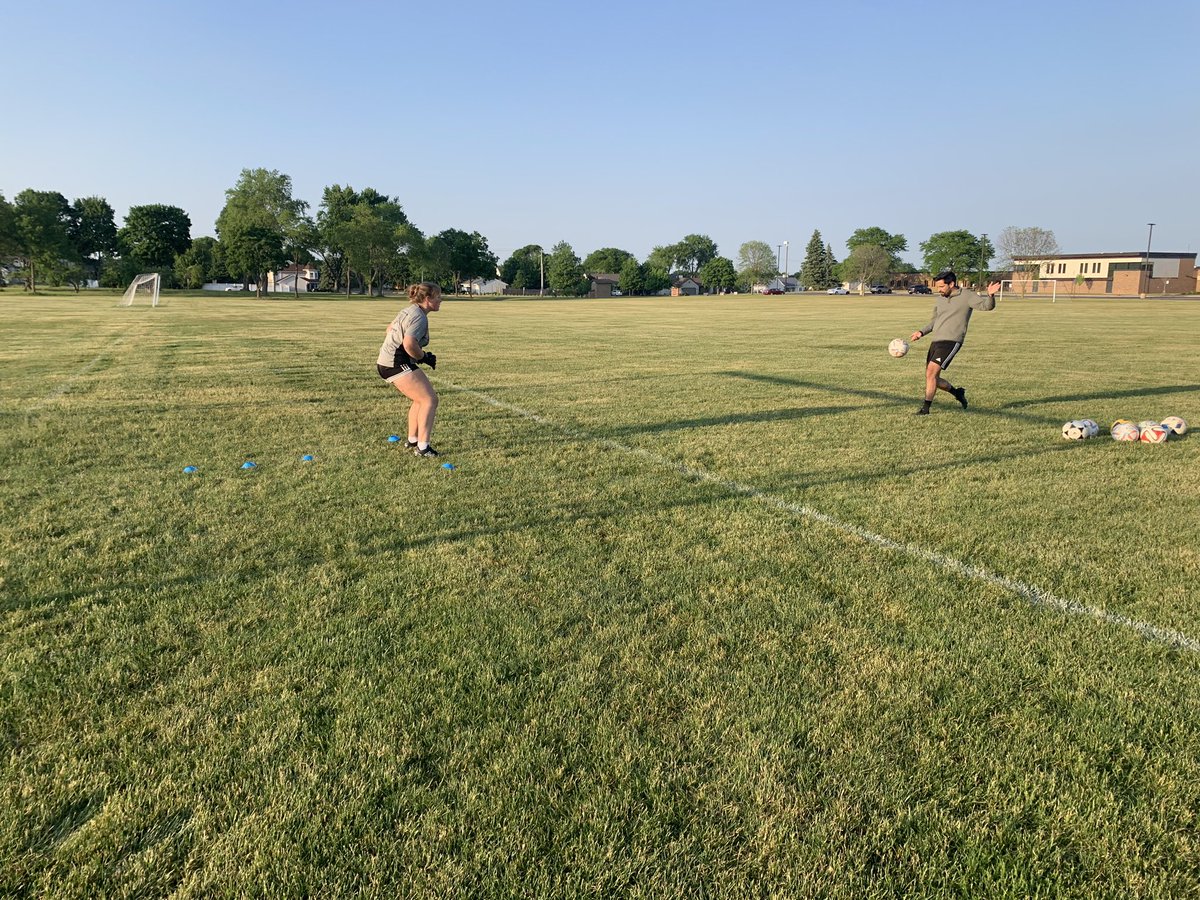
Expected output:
(785, 261)
(1146, 275)
(778, 256)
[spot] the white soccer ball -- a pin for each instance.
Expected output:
(1074, 430)
(1125, 431)
(1093, 428)
(1176, 424)
(898, 347)
(1155, 434)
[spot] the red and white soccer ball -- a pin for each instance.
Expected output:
(1155, 433)
(1175, 424)
(898, 347)
(1125, 431)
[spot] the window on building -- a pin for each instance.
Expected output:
(1095, 267)
(1082, 268)
(1062, 268)
(1049, 268)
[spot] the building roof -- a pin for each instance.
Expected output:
(1140, 254)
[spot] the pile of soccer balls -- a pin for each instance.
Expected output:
(1124, 430)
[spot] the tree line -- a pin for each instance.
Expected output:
(361, 241)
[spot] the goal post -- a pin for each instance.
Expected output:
(143, 289)
(1029, 287)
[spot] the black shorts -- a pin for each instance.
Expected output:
(941, 352)
(390, 373)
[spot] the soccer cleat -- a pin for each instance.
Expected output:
(960, 394)
(921, 412)
(428, 451)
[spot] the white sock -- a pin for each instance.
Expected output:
(412, 438)
(423, 445)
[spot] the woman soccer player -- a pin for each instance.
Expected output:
(402, 349)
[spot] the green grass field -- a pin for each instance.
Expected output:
(703, 610)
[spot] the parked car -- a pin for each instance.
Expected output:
(837, 290)
(772, 291)
(880, 289)
(920, 289)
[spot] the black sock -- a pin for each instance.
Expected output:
(927, 404)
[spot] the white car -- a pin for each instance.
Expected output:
(837, 290)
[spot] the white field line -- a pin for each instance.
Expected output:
(1030, 592)
(73, 377)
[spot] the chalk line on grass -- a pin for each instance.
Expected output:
(1030, 592)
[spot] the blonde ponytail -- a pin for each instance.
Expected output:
(418, 292)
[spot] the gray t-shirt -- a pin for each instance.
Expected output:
(951, 315)
(411, 322)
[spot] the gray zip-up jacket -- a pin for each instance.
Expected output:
(951, 315)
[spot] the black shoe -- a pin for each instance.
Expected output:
(428, 451)
(923, 411)
(410, 445)
(960, 394)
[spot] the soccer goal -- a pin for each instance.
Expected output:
(143, 289)
(1029, 287)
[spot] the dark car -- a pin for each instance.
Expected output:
(772, 291)
(920, 289)
(880, 289)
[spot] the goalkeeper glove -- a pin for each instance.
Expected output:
(430, 360)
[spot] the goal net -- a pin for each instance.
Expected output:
(1029, 287)
(143, 289)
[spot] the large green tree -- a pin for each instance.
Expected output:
(378, 240)
(816, 272)
(260, 212)
(632, 281)
(564, 272)
(961, 251)
(523, 270)
(10, 244)
(94, 231)
(692, 252)
(718, 274)
(201, 263)
(662, 259)
(457, 256)
(153, 235)
(43, 236)
(757, 262)
(891, 244)
(606, 260)
(867, 264)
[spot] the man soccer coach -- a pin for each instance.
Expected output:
(951, 314)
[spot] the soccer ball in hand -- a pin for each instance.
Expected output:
(1175, 424)
(898, 347)
(1074, 430)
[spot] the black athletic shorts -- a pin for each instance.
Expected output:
(941, 352)
(389, 373)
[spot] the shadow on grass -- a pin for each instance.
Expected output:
(1006, 411)
(1106, 395)
(772, 415)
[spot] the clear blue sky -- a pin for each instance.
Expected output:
(627, 124)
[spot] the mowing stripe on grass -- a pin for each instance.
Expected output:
(1032, 593)
(74, 376)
